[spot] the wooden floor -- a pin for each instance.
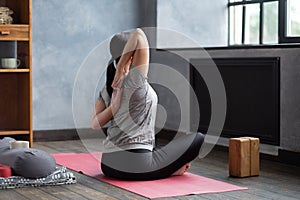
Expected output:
(276, 180)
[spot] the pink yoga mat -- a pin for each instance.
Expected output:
(89, 164)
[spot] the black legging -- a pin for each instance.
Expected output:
(160, 163)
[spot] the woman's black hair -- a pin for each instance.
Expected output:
(117, 45)
(110, 74)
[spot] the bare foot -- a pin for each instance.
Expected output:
(182, 170)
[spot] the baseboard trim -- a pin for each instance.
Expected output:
(289, 157)
(65, 134)
(284, 156)
(72, 134)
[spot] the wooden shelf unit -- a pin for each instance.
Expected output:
(14, 70)
(14, 32)
(16, 84)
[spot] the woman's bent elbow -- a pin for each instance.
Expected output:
(95, 127)
(95, 124)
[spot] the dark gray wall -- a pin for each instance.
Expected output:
(64, 32)
(289, 86)
(289, 89)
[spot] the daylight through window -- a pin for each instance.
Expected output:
(253, 22)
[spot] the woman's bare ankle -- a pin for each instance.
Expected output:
(182, 170)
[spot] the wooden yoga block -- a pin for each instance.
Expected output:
(244, 156)
(254, 156)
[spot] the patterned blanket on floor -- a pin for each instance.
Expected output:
(60, 176)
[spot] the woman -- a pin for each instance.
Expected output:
(130, 103)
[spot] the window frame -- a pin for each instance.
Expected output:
(283, 38)
(282, 21)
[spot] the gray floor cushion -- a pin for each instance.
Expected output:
(26, 162)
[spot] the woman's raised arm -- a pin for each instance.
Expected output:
(136, 52)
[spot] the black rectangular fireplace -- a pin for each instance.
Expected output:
(253, 97)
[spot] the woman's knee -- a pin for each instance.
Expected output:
(195, 141)
(192, 139)
(199, 138)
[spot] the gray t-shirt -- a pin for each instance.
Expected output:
(133, 125)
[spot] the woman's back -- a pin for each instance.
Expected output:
(133, 124)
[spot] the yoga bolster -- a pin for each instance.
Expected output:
(26, 162)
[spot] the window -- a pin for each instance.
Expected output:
(289, 21)
(264, 21)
